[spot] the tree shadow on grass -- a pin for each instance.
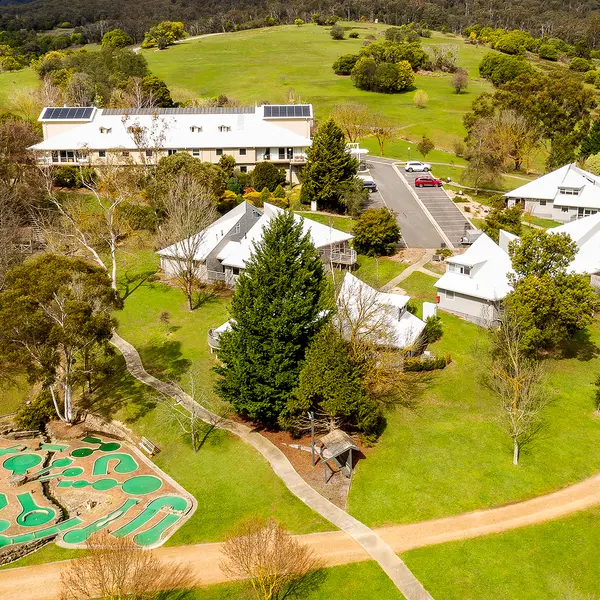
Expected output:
(163, 359)
(120, 391)
(581, 347)
(204, 298)
(130, 281)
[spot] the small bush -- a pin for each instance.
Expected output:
(445, 252)
(37, 413)
(427, 364)
(581, 65)
(433, 329)
(353, 35)
(548, 52)
(376, 232)
(421, 98)
(344, 64)
(337, 32)
(279, 192)
(590, 76)
(66, 176)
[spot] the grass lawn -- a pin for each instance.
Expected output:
(547, 561)
(336, 221)
(350, 582)
(449, 455)
(245, 66)
(420, 286)
(11, 82)
(545, 223)
(377, 272)
(229, 479)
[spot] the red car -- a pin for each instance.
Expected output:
(428, 181)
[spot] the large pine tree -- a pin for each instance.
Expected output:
(329, 168)
(276, 311)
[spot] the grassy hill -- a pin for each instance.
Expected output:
(271, 64)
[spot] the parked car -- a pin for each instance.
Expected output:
(370, 185)
(415, 165)
(428, 182)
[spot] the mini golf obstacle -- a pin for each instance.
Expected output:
(114, 486)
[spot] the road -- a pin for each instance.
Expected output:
(417, 229)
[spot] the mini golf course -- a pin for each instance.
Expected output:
(104, 485)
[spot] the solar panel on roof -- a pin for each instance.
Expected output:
(68, 113)
(273, 111)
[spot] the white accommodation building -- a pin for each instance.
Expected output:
(564, 195)
(221, 250)
(378, 317)
(476, 281)
(279, 134)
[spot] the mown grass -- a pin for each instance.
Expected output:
(547, 561)
(545, 223)
(277, 63)
(13, 84)
(449, 454)
(336, 221)
(351, 582)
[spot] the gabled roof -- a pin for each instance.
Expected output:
(586, 234)
(404, 331)
(206, 241)
(235, 254)
(571, 177)
(488, 280)
(110, 129)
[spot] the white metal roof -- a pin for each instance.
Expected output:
(206, 241)
(488, 278)
(549, 186)
(404, 331)
(235, 254)
(109, 129)
(586, 234)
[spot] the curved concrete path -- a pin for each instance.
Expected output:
(372, 543)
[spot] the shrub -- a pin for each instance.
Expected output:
(390, 78)
(581, 65)
(234, 185)
(299, 22)
(279, 192)
(337, 32)
(445, 252)
(590, 76)
(421, 98)
(353, 35)
(592, 164)
(433, 329)
(548, 52)
(37, 413)
(500, 69)
(138, 216)
(66, 176)
(266, 175)
(511, 43)
(376, 232)
(344, 64)
(597, 81)
(460, 81)
(228, 200)
(363, 73)
(265, 196)
(116, 38)
(427, 364)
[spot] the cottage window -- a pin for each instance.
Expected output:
(463, 270)
(171, 152)
(219, 151)
(449, 295)
(195, 129)
(224, 128)
(542, 203)
(243, 169)
(54, 156)
(242, 151)
(101, 153)
(67, 156)
(238, 228)
(565, 209)
(196, 152)
(125, 153)
(105, 129)
(256, 214)
(148, 153)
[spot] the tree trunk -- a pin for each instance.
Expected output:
(52, 393)
(515, 452)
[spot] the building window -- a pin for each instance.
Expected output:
(243, 169)
(565, 209)
(449, 295)
(54, 156)
(238, 228)
(195, 129)
(105, 129)
(125, 153)
(281, 153)
(196, 152)
(223, 128)
(542, 203)
(101, 153)
(149, 153)
(67, 156)
(219, 151)
(256, 214)
(453, 268)
(242, 151)
(236, 270)
(171, 152)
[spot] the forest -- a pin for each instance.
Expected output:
(571, 22)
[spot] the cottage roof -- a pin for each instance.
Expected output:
(337, 442)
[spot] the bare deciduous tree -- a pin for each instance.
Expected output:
(517, 381)
(353, 119)
(460, 81)
(196, 419)
(189, 210)
(276, 565)
(116, 568)
(382, 130)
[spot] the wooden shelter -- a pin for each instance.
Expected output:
(337, 446)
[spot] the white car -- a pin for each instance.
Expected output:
(415, 165)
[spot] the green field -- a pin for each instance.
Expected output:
(274, 64)
(447, 454)
(550, 561)
(15, 84)
(350, 582)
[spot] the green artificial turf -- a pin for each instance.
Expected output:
(447, 454)
(358, 581)
(550, 561)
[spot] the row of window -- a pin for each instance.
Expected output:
(463, 270)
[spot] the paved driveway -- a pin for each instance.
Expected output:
(446, 214)
(417, 229)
